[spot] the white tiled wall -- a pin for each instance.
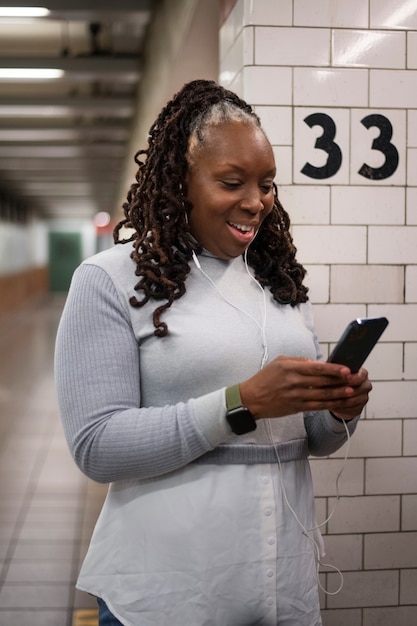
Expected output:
(353, 62)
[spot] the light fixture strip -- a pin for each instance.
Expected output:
(24, 12)
(30, 73)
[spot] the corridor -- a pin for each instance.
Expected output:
(47, 507)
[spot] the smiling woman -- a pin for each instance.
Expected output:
(189, 377)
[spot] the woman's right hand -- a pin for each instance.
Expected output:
(291, 385)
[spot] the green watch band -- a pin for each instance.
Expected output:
(239, 417)
(233, 399)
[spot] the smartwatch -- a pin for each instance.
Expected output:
(239, 417)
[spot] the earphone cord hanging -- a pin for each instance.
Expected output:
(262, 326)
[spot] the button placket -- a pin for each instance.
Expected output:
(269, 543)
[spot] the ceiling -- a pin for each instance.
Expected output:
(63, 140)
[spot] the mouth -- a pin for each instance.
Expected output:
(243, 232)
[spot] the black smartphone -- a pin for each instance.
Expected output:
(357, 342)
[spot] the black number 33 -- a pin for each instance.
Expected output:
(326, 142)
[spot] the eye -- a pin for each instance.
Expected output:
(231, 184)
(267, 187)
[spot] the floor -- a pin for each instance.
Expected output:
(47, 507)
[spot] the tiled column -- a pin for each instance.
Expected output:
(335, 85)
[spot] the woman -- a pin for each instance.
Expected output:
(189, 378)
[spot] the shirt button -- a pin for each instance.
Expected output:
(265, 480)
(270, 601)
(268, 512)
(270, 573)
(271, 541)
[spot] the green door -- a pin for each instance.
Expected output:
(64, 258)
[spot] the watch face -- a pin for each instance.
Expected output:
(240, 420)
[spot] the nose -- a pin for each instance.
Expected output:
(252, 201)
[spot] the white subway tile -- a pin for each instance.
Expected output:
(268, 12)
(411, 283)
(410, 437)
(325, 471)
(393, 14)
(409, 512)
(292, 46)
(389, 161)
(385, 361)
(402, 318)
(343, 552)
(332, 319)
(342, 617)
(408, 587)
(412, 50)
(232, 81)
(330, 244)
(390, 550)
(306, 205)
(411, 203)
(374, 438)
(361, 48)
(371, 514)
(331, 87)
(393, 88)
(367, 205)
(231, 28)
(412, 166)
(309, 126)
(277, 124)
(336, 13)
(392, 244)
(398, 615)
(391, 476)
(366, 283)
(241, 53)
(392, 399)
(267, 85)
(410, 361)
(317, 280)
(412, 128)
(283, 160)
(375, 588)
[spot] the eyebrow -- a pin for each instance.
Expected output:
(238, 168)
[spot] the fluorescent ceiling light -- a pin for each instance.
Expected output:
(23, 12)
(13, 73)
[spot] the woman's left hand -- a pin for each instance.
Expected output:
(353, 405)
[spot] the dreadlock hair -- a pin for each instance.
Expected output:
(156, 208)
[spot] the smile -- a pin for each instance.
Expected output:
(242, 227)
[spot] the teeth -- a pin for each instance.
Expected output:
(241, 227)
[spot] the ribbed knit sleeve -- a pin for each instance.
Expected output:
(98, 384)
(325, 434)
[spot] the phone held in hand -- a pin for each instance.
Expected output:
(357, 342)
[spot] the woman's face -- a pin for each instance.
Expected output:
(229, 184)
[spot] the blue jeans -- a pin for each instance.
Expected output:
(105, 618)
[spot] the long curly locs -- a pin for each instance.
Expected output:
(273, 257)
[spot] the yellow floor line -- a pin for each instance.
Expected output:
(85, 617)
